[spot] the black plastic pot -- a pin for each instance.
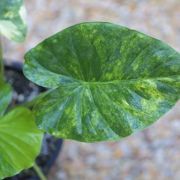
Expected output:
(23, 91)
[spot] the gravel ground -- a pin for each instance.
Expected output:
(151, 154)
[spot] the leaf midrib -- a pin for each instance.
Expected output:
(127, 81)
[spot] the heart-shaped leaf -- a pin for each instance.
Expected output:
(12, 23)
(5, 97)
(20, 142)
(107, 81)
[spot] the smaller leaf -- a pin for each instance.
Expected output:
(20, 142)
(5, 97)
(12, 24)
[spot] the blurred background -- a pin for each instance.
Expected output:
(153, 154)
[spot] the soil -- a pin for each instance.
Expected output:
(23, 91)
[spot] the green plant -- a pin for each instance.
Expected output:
(105, 82)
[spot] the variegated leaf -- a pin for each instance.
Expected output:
(12, 23)
(107, 81)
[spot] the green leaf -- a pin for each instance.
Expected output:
(107, 81)
(5, 97)
(20, 142)
(12, 24)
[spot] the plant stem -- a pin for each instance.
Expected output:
(29, 104)
(39, 172)
(1, 61)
